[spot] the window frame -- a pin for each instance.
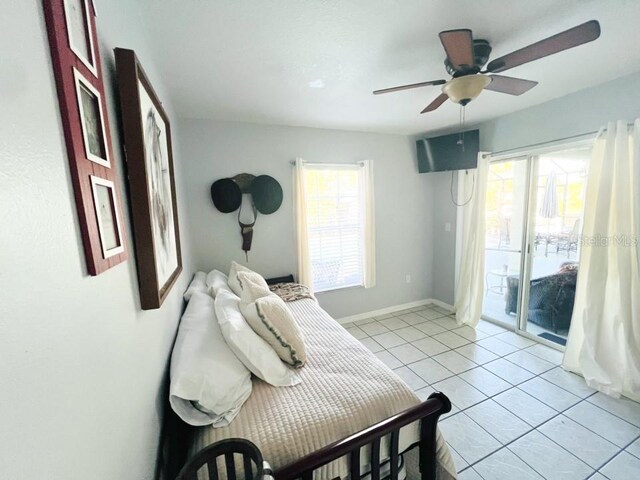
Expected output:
(359, 166)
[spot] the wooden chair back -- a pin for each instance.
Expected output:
(252, 462)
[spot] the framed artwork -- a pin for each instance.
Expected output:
(91, 121)
(79, 34)
(73, 43)
(147, 138)
(108, 216)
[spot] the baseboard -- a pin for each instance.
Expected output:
(393, 309)
(441, 304)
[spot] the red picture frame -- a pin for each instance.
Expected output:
(75, 56)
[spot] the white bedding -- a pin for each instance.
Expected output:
(344, 389)
(208, 382)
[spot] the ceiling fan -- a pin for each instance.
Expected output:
(466, 57)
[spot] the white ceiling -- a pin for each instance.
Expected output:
(254, 60)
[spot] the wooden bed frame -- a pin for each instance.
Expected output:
(176, 434)
(427, 413)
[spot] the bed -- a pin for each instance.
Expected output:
(344, 389)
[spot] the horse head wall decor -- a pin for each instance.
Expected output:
(265, 196)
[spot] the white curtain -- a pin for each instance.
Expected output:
(368, 224)
(604, 339)
(305, 275)
(470, 287)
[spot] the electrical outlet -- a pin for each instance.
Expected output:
(408, 278)
(447, 227)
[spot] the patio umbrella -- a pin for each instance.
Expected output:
(549, 207)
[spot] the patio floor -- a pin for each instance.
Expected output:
(495, 287)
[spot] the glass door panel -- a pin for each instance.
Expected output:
(558, 186)
(505, 221)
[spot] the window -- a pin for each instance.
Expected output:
(338, 215)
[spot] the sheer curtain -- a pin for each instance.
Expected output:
(368, 225)
(604, 339)
(305, 275)
(470, 287)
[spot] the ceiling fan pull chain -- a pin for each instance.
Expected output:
(464, 111)
(461, 134)
(459, 142)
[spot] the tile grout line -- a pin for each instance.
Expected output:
(470, 465)
(499, 357)
(490, 397)
(624, 449)
(561, 412)
(532, 428)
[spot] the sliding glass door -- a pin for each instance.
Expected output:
(558, 185)
(534, 208)
(504, 217)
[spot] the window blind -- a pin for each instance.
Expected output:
(335, 215)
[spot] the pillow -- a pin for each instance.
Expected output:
(208, 382)
(253, 282)
(233, 281)
(216, 280)
(270, 318)
(256, 354)
(198, 284)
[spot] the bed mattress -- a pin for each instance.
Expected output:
(344, 389)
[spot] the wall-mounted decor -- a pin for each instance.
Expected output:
(147, 139)
(266, 197)
(79, 32)
(73, 42)
(109, 229)
(91, 121)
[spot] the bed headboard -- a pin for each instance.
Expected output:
(286, 279)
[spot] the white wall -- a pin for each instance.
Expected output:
(444, 211)
(81, 365)
(404, 210)
(575, 114)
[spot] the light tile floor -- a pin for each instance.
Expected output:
(516, 414)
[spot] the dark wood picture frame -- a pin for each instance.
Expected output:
(71, 71)
(152, 191)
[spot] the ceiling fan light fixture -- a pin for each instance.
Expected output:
(464, 89)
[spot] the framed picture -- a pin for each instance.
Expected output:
(75, 58)
(108, 216)
(91, 121)
(79, 32)
(147, 138)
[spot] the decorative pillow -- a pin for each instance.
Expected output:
(253, 282)
(233, 281)
(208, 382)
(198, 284)
(256, 354)
(271, 319)
(216, 280)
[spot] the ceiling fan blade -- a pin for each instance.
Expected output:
(407, 87)
(458, 44)
(510, 85)
(587, 32)
(440, 99)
